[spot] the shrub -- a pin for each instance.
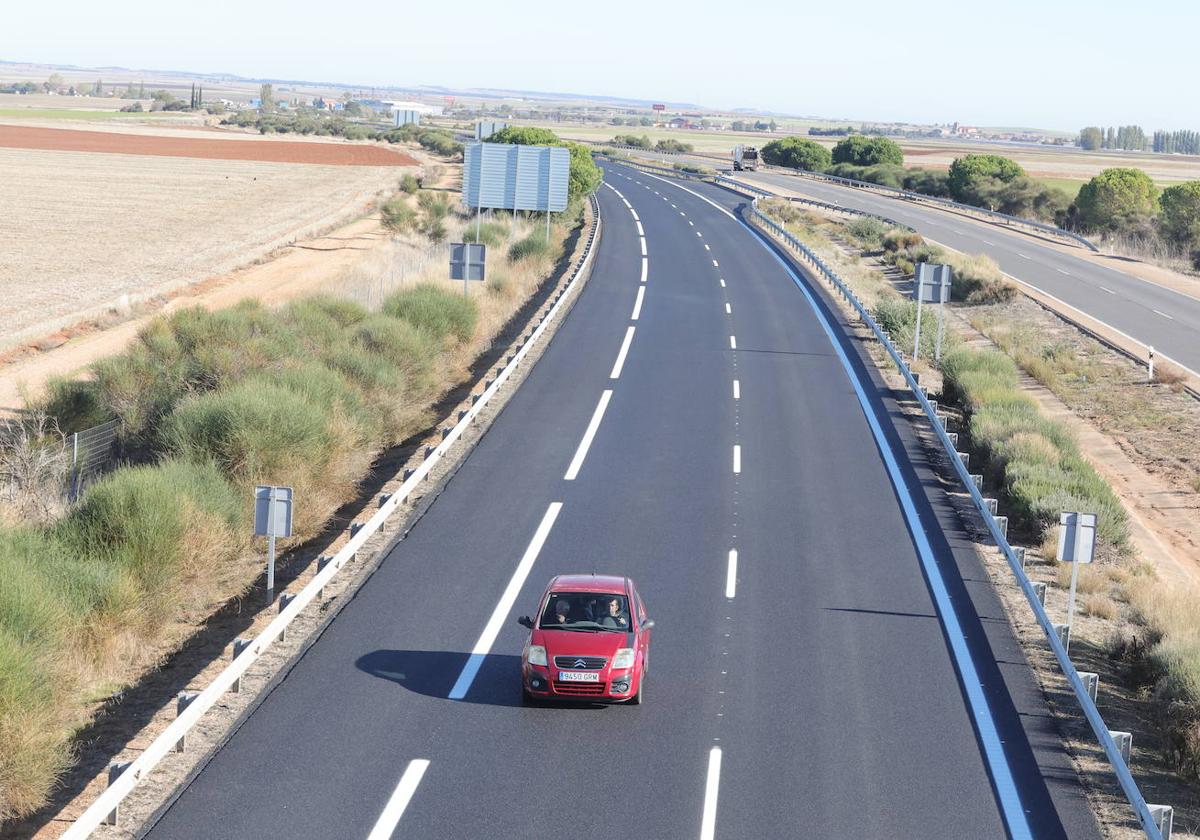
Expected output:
(927, 182)
(1117, 200)
(902, 240)
(797, 153)
(869, 232)
(409, 184)
(398, 216)
(1180, 217)
(978, 280)
(435, 310)
(867, 151)
(490, 233)
(534, 246)
(966, 171)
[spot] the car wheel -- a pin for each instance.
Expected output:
(527, 699)
(636, 700)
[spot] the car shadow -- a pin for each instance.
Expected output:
(434, 672)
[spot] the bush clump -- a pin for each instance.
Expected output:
(1037, 459)
(532, 247)
(434, 310)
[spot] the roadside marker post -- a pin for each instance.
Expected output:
(1150, 377)
(1076, 545)
(272, 518)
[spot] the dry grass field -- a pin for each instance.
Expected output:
(85, 233)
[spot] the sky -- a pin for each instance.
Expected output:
(1032, 63)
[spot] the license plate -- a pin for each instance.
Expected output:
(579, 676)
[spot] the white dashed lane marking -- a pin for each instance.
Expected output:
(637, 304)
(585, 444)
(620, 363)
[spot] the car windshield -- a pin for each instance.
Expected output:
(586, 611)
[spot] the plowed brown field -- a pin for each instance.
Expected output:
(267, 151)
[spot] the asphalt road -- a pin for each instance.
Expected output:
(827, 682)
(1156, 316)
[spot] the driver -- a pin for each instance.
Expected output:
(561, 608)
(615, 616)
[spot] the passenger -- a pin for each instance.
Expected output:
(615, 617)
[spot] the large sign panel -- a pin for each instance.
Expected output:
(507, 177)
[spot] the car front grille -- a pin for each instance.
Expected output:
(578, 689)
(580, 663)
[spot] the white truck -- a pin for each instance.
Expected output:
(745, 158)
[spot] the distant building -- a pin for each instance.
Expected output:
(419, 107)
(960, 130)
(679, 122)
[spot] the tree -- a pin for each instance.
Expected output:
(1118, 200)
(867, 151)
(99, 89)
(737, 125)
(141, 90)
(266, 95)
(797, 153)
(54, 82)
(1179, 219)
(1091, 138)
(967, 171)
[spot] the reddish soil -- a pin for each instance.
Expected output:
(268, 151)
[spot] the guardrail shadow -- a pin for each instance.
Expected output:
(434, 672)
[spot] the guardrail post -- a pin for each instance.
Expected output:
(965, 457)
(992, 506)
(239, 645)
(1164, 818)
(953, 437)
(1091, 682)
(977, 478)
(1019, 551)
(1124, 743)
(1063, 631)
(284, 600)
(182, 701)
(322, 562)
(1039, 592)
(1002, 524)
(114, 771)
(383, 497)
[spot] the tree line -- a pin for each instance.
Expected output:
(1132, 138)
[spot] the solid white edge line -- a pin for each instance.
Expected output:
(394, 810)
(732, 342)
(645, 268)
(593, 425)
(637, 304)
(488, 637)
(643, 241)
(737, 459)
(635, 215)
(731, 575)
(641, 232)
(708, 820)
(620, 363)
(737, 389)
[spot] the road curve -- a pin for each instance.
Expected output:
(811, 692)
(1152, 314)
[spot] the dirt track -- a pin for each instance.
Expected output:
(268, 151)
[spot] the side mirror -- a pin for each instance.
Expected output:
(647, 624)
(525, 621)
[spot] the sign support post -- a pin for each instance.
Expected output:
(920, 281)
(272, 518)
(1076, 545)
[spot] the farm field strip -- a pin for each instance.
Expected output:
(268, 151)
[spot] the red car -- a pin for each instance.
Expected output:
(590, 641)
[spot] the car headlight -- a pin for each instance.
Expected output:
(537, 655)
(624, 658)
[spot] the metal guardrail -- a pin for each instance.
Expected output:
(944, 202)
(124, 777)
(1151, 817)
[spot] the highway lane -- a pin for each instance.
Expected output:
(825, 681)
(1152, 314)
